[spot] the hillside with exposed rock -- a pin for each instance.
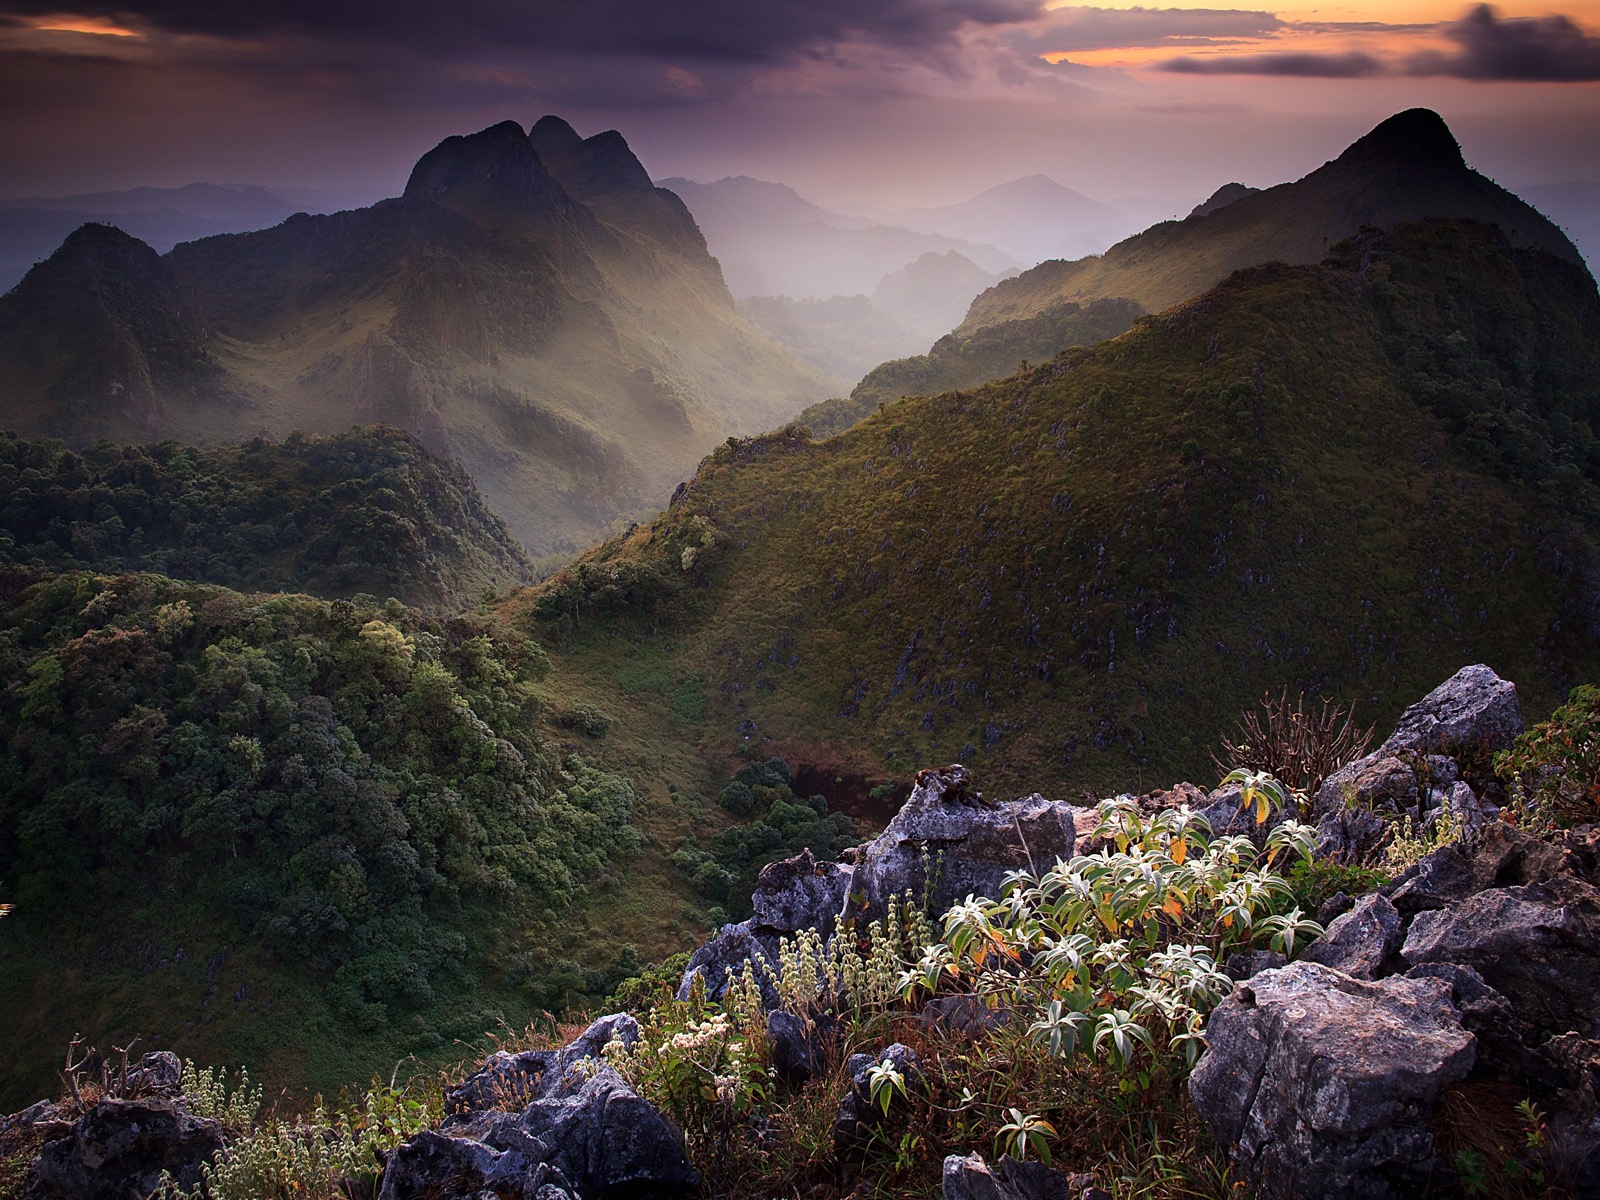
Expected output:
(1327, 476)
(1172, 1014)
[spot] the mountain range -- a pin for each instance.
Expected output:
(33, 226)
(1032, 219)
(1407, 168)
(317, 833)
(532, 306)
(772, 241)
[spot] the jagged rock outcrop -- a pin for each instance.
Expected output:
(1410, 773)
(116, 1147)
(546, 1124)
(1322, 1077)
(1539, 946)
(1320, 1083)
(947, 842)
(1363, 942)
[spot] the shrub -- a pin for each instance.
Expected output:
(1553, 770)
(587, 719)
(737, 798)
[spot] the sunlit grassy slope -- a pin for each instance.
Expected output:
(1349, 479)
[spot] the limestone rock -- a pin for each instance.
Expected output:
(1380, 780)
(799, 1046)
(946, 843)
(1473, 706)
(119, 1149)
(723, 959)
(857, 1112)
(1537, 945)
(799, 893)
(582, 1132)
(969, 1177)
(1364, 943)
(1321, 1084)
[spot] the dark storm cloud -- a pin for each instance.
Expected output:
(1309, 66)
(1549, 49)
(715, 30)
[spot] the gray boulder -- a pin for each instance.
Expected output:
(1225, 812)
(722, 960)
(1247, 964)
(857, 1111)
(119, 1150)
(800, 1046)
(1364, 942)
(1473, 706)
(947, 842)
(454, 1168)
(794, 894)
(1538, 945)
(513, 1081)
(799, 893)
(1380, 781)
(969, 1177)
(1321, 1085)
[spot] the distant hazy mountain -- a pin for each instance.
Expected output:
(842, 336)
(846, 336)
(933, 293)
(1032, 219)
(1576, 208)
(33, 226)
(772, 241)
(1221, 198)
(550, 319)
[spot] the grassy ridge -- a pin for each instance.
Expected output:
(1349, 479)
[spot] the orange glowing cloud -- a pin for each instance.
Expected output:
(99, 26)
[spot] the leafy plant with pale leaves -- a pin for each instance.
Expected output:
(1117, 954)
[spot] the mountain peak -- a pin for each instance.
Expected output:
(494, 170)
(550, 135)
(1416, 137)
(598, 164)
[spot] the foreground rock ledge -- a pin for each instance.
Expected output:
(1323, 1082)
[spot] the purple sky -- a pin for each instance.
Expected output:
(854, 102)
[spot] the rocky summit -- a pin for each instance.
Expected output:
(1467, 979)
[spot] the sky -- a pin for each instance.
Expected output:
(857, 103)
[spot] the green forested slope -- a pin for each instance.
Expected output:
(310, 836)
(370, 511)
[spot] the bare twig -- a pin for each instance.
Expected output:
(1297, 747)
